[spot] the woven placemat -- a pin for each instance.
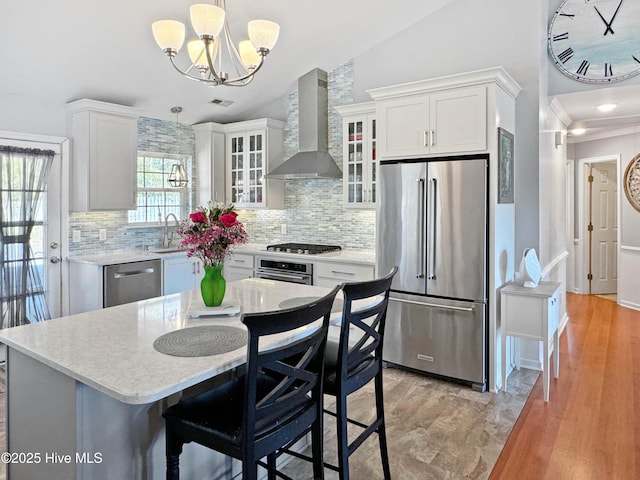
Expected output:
(297, 301)
(201, 341)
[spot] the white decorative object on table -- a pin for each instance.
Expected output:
(199, 309)
(530, 271)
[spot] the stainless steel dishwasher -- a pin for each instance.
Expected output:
(130, 282)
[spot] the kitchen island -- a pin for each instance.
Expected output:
(85, 393)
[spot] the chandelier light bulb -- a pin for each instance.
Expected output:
(263, 33)
(197, 54)
(168, 34)
(206, 19)
(248, 53)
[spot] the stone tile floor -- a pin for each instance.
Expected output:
(435, 429)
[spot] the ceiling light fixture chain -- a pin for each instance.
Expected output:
(209, 21)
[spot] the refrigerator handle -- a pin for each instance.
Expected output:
(431, 267)
(433, 305)
(421, 238)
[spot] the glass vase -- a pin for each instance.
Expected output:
(213, 286)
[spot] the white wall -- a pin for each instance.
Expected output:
(627, 146)
(470, 35)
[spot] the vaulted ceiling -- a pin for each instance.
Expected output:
(56, 52)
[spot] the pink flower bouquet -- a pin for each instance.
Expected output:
(210, 232)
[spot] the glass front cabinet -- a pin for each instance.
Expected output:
(254, 148)
(360, 167)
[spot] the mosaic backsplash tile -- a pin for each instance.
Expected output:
(313, 212)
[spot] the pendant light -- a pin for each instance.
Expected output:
(178, 176)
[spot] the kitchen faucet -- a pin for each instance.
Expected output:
(166, 239)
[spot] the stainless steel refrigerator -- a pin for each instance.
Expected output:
(432, 223)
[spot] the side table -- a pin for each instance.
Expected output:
(531, 313)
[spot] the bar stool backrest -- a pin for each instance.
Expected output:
(297, 367)
(359, 363)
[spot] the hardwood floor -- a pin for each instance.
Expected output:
(589, 429)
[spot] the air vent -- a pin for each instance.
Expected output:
(220, 102)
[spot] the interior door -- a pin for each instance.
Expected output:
(46, 240)
(604, 234)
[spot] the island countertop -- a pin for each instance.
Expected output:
(111, 350)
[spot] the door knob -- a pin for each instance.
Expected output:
(54, 259)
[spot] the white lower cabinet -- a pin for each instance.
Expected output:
(238, 267)
(330, 274)
(180, 274)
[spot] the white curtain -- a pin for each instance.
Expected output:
(23, 174)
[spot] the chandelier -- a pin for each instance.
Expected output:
(206, 53)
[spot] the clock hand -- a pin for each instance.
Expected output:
(605, 22)
(614, 15)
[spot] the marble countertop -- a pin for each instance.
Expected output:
(344, 256)
(126, 256)
(112, 351)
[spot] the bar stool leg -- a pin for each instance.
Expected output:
(343, 440)
(316, 450)
(173, 451)
(382, 434)
(271, 463)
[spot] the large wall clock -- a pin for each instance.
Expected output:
(596, 41)
(632, 182)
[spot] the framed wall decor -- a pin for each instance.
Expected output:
(505, 166)
(632, 182)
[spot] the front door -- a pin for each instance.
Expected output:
(45, 237)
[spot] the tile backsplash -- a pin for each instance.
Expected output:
(314, 210)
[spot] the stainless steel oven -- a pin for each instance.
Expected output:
(285, 271)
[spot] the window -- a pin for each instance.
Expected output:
(156, 198)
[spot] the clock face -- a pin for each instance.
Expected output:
(632, 182)
(596, 41)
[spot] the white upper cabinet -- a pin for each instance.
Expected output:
(210, 162)
(254, 148)
(104, 155)
(445, 122)
(232, 160)
(360, 166)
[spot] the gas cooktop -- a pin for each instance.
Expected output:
(304, 248)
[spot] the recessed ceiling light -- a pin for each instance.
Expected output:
(578, 131)
(607, 107)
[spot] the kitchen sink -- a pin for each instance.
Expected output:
(167, 249)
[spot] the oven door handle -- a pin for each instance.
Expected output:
(278, 276)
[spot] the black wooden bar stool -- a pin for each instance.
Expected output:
(353, 361)
(277, 400)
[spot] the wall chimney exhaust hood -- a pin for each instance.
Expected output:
(313, 159)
